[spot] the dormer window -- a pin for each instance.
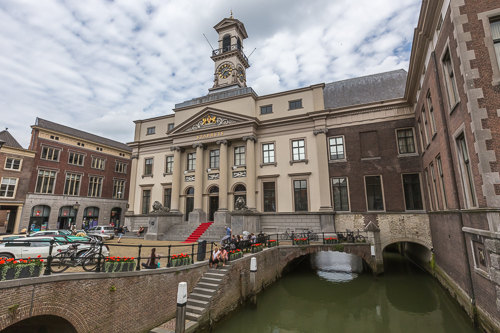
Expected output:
(226, 43)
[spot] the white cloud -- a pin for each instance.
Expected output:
(97, 65)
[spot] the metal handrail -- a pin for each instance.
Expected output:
(229, 48)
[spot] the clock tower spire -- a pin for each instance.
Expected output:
(230, 61)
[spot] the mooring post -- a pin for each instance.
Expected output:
(253, 281)
(180, 319)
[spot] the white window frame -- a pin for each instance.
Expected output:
(12, 164)
(7, 187)
(330, 148)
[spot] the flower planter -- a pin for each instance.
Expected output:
(236, 255)
(20, 272)
(300, 242)
(256, 249)
(272, 244)
(180, 262)
(117, 266)
(331, 241)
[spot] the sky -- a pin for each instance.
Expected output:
(98, 65)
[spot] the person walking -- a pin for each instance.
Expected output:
(228, 231)
(120, 233)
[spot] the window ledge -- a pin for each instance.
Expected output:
(263, 114)
(44, 159)
(482, 273)
(454, 107)
(144, 176)
(267, 164)
(495, 81)
(12, 170)
(306, 161)
(167, 173)
(370, 158)
(408, 155)
(342, 160)
(234, 167)
(188, 171)
(295, 109)
(434, 135)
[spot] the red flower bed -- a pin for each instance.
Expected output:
(119, 259)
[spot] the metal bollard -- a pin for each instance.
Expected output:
(253, 281)
(138, 267)
(49, 258)
(180, 319)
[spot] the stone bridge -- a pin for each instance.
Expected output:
(122, 302)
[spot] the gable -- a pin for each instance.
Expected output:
(210, 118)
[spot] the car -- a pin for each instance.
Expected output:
(23, 248)
(102, 231)
(50, 232)
(10, 237)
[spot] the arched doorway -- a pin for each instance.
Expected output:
(115, 216)
(39, 219)
(189, 202)
(46, 324)
(213, 202)
(226, 43)
(66, 217)
(240, 191)
(90, 217)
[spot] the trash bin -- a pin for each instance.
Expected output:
(202, 250)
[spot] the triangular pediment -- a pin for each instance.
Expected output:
(210, 118)
(228, 22)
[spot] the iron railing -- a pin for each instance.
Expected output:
(229, 48)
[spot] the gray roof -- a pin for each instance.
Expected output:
(80, 134)
(365, 89)
(9, 140)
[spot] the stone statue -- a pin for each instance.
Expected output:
(158, 208)
(240, 204)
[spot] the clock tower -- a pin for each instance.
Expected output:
(230, 61)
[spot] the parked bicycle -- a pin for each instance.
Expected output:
(288, 235)
(72, 257)
(309, 234)
(350, 237)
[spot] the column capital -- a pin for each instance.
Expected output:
(223, 142)
(135, 156)
(177, 148)
(250, 137)
(322, 131)
(199, 145)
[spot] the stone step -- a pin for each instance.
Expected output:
(214, 275)
(198, 302)
(210, 280)
(202, 297)
(205, 291)
(195, 309)
(190, 327)
(218, 270)
(208, 285)
(192, 316)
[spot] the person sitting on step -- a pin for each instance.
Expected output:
(223, 256)
(214, 258)
(152, 262)
(141, 231)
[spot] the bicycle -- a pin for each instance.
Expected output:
(70, 257)
(287, 235)
(350, 237)
(309, 234)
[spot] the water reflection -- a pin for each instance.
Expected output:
(322, 295)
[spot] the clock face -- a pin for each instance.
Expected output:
(241, 74)
(224, 71)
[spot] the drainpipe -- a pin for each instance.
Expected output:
(455, 182)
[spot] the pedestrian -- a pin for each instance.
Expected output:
(120, 233)
(228, 231)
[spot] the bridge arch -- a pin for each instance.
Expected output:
(406, 240)
(46, 315)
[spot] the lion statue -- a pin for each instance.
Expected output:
(158, 208)
(240, 204)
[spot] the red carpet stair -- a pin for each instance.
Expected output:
(198, 232)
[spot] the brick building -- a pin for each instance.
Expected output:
(16, 165)
(78, 178)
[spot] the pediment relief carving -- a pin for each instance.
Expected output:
(210, 121)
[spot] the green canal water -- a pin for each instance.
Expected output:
(325, 294)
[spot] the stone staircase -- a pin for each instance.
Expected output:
(181, 231)
(199, 300)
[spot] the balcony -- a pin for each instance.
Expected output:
(229, 48)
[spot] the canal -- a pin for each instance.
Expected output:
(329, 292)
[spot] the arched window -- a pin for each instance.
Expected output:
(240, 191)
(190, 191)
(214, 189)
(226, 43)
(39, 219)
(90, 217)
(66, 217)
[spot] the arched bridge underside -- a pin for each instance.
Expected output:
(119, 302)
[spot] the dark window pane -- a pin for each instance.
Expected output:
(374, 193)
(269, 197)
(413, 197)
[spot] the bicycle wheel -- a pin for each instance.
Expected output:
(360, 238)
(89, 264)
(314, 237)
(58, 264)
(284, 236)
(350, 239)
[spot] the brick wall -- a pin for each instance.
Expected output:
(23, 175)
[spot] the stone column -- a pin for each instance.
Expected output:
(325, 202)
(176, 178)
(250, 162)
(133, 182)
(198, 215)
(221, 216)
